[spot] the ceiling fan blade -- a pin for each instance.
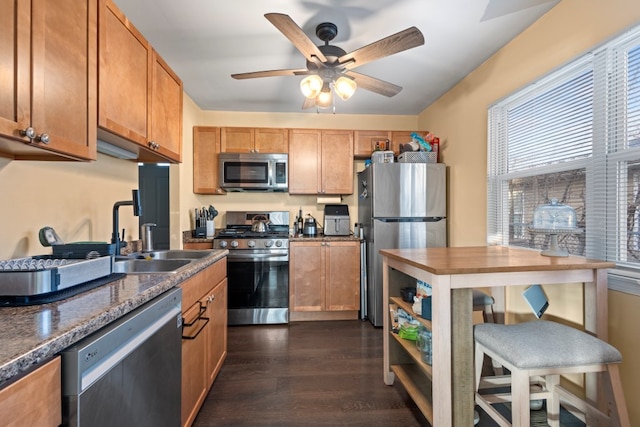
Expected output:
(271, 73)
(294, 33)
(308, 103)
(374, 85)
(406, 39)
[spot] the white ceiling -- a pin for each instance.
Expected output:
(205, 41)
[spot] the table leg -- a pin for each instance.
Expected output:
(462, 357)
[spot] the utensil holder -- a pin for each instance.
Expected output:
(209, 229)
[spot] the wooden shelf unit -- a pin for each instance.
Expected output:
(405, 361)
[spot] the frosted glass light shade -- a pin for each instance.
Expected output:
(345, 87)
(311, 86)
(323, 100)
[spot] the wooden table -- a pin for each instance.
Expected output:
(452, 273)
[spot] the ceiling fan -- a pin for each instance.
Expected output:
(330, 67)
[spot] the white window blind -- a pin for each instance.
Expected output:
(573, 136)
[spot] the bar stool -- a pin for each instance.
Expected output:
(539, 352)
(483, 302)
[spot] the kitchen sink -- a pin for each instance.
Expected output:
(171, 254)
(146, 266)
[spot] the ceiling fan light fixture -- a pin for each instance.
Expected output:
(345, 87)
(311, 86)
(324, 99)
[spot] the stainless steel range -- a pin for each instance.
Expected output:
(257, 266)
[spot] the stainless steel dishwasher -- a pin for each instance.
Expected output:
(128, 373)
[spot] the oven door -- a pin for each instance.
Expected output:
(258, 287)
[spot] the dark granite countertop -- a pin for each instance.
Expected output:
(34, 334)
(187, 237)
(322, 238)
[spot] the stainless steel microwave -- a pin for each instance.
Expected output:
(253, 171)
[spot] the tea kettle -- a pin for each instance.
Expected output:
(310, 227)
(260, 224)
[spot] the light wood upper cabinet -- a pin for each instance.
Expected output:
(206, 148)
(320, 161)
(365, 141)
(48, 84)
(254, 140)
(140, 97)
(165, 113)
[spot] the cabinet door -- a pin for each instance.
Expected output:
(342, 276)
(365, 141)
(305, 151)
(306, 276)
(206, 147)
(194, 375)
(337, 162)
(165, 122)
(217, 313)
(34, 400)
(236, 140)
(124, 70)
(15, 62)
(63, 81)
(271, 140)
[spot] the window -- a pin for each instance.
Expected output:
(573, 136)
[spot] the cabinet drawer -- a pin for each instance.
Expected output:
(196, 286)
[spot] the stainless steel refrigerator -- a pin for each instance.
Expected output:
(400, 205)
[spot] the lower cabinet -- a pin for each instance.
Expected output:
(34, 400)
(204, 337)
(324, 280)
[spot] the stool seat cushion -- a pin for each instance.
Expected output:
(544, 344)
(481, 298)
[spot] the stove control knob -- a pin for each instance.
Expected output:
(251, 243)
(234, 244)
(223, 243)
(268, 243)
(278, 243)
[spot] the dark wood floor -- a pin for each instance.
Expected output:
(306, 374)
(313, 374)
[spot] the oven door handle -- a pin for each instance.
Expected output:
(231, 257)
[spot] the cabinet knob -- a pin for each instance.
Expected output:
(28, 132)
(154, 145)
(44, 138)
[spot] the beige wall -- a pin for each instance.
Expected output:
(74, 198)
(460, 119)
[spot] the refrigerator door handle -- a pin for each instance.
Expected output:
(425, 219)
